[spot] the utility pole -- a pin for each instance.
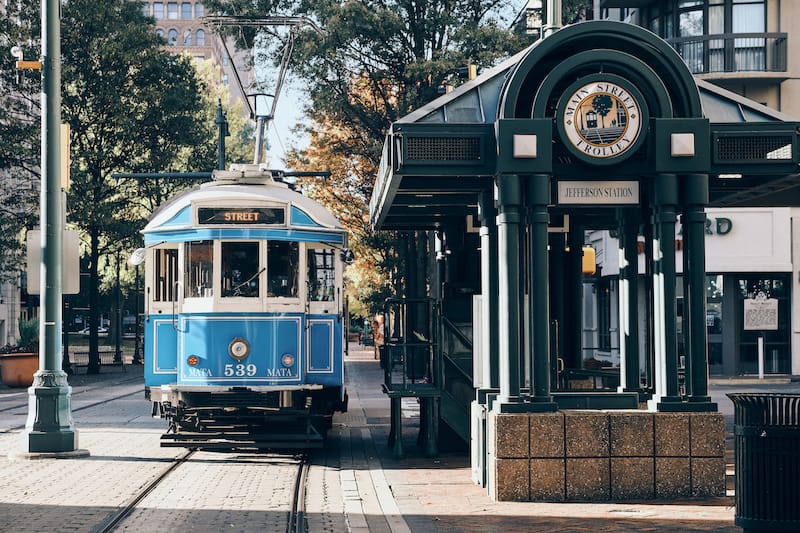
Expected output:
(49, 430)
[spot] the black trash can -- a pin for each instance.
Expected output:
(767, 455)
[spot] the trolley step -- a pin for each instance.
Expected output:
(234, 441)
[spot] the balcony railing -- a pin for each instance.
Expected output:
(733, 52)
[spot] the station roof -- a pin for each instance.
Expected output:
(403, 199)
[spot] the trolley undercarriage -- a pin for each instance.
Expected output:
(239, 418)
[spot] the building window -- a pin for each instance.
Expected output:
(187, 37)
(158, 10)
(186, 10)
(172, 37)
(160, 33)
(199, 10)
(201, 38)
(225, 80)
(146, 9)
(172, 10)
(691, 26)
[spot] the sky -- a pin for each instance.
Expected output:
(280, 138)
(288, 111)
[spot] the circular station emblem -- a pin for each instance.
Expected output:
(601, 120)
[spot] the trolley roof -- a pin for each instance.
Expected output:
(236, 189)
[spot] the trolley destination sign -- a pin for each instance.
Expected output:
(240, 215)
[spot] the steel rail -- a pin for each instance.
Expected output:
(112, 523)
(297, 520)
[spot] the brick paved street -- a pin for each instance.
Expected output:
(354, 484)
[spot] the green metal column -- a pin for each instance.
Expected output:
(538, 196)
(509, 218)
(49, 428)
(695, 198)
(573, 292)
(489, 291)
(649, 297)
(629, 278)
(666, 200)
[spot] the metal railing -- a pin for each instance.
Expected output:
(733, 52)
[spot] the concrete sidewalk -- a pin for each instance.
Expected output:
(437, 494)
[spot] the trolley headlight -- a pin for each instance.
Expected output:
(192, 360)
(239, 348)
(287, 360)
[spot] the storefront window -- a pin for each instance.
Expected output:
(774, 352)
(715, 294)
(690, 24)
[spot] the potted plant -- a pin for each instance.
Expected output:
(18, 362)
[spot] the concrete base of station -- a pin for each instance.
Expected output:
(596, 456)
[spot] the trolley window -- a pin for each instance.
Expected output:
(200, 262)
(240, 269)
(321, 275)
(166, 274)
(283, 259)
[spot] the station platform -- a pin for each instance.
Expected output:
(365, 489)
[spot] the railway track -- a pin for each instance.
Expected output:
(201, 490)
(215, 506)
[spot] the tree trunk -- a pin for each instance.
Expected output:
(94, 355)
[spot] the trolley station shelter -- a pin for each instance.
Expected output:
(598, 126)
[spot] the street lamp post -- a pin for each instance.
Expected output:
(49, 429)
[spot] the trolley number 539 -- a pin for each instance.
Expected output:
(240, 370)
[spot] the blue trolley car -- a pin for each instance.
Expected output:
(244, 314)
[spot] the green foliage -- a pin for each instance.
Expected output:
(576, 10)
(20, 133)
(132, 107)
(374, 62)
(29, 334)
(28, 341)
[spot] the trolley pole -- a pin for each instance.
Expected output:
(49, 430)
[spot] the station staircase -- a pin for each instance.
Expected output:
(427, 356)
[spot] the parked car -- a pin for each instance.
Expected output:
(101, 331)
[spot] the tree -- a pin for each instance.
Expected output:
(132, 107)
(602, 105)
(375, 62)
(20, 129)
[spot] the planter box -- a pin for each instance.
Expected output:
(17, 369)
